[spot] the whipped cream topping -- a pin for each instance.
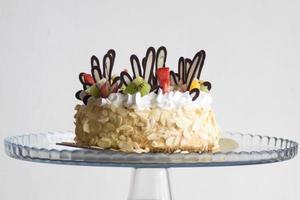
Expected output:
(169, 100)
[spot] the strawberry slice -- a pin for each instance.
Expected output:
(114, 88)
(163, 75)
(104, 90)
(88, 79)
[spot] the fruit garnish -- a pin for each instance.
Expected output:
(104, 90)
(88, 79)
(123, 87)
(93, 91)
(138, 81)
(163, 75)
(201, 85)
(144, 88)
(149, 75)
(207, 85)
(101, 82)
(195, 84)
(131, 89)
(138, 85)
(114, 88)
(204, 88)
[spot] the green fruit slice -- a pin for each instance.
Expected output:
(204, 88)
(131, 89)
(138, 81)
(144, 89)
(93, 90)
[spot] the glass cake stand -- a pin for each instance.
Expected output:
(150, 179)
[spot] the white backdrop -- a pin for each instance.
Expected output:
(252, 60)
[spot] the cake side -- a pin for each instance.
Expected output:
(148, 130)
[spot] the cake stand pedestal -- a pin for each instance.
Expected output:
(150, 178)
(150, 183)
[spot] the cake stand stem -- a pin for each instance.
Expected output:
(150, 184)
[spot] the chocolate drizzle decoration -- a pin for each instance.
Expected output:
(85, 99)
(161, 57)
(125, 78)
(135, 66)
(181, 70)
(174, 77)
(208, 85)
(149, 64)
(195, 93)
(188, 69)
(95, 68)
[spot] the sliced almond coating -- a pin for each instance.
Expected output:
(122, 111)
(125, 128)
(184, 142)
(122, 137)
(140, 151)
(170, 141)
(196, 126)
(153, 136)
(104, 113)
(124, 146)
(77, 107)
(119, 121)
(170, 122)
(135, 145)
(112, 117)
(151, 122)
(109, 126)
(177, 140)
(103, 119)
(132, 114)
(187, 134)
(158, 144)
(140, 124)
(155, 114)
(177, 151)
(183, 123)
(86, 127)
(143, 115)
(104, 142)
(164, 117)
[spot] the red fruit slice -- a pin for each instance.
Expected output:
(104, 90)
(114, 88)
(88, 79)
(163, 75)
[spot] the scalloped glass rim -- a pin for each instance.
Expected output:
(253, 149)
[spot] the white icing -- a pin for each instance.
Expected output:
(168, 100)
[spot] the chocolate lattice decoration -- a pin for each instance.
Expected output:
(188, 70)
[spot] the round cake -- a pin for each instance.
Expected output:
(154, 109)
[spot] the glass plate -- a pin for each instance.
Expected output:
(251, 149)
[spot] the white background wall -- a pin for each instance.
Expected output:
(252, 60)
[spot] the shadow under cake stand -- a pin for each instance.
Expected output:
(150, 179)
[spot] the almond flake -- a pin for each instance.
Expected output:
(183, 123)
(103, 119)
(125, 146)
(170, 141)
(153, 136)
(104, 142)
(86, 127)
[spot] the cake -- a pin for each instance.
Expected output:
(151, 109)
